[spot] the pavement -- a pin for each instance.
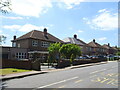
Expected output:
(29, 73)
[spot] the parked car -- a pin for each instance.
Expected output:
(93, 57)
(113, 57)
(84, 57)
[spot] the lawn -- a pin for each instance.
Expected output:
(7, 71)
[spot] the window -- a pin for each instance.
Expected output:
(18, 45)
(103, 50)
(45, 44)
(14, 44)
(97, 49)
(20, 55)
(34, 43)
(90, 49)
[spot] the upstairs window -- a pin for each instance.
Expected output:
(34, 43)
(45, 44)
(90, 49)
(14, 44)
(19, 45)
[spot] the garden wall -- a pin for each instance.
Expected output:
(66, 63)
(16, 64)
(63, 63)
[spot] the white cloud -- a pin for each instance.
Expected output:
(24, 28)
(50, 25)
(29, 27)
(71, 3)
(102, 10)
(102, 38)
(12, 27)
(80, 31)
(11, 17)
(30, 7)
(105, 20)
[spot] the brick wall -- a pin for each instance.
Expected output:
(17, 64)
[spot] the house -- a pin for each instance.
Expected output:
(25, 46)
(92, 48)
(14, 53)
(96, 49)
(110, 50)
(75, 40)
(32, 42)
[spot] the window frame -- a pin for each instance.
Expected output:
(35, 43)
(45, 44)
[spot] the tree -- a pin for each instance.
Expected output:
(70, 51)
(2, 39)
(5, 6)
(54, 51)
(118, 53)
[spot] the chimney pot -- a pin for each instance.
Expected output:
(45, 33)
(108, 44)
(75, 36)
(14, 37)
(93, 40)
(45, 30)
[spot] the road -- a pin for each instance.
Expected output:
(97, 76)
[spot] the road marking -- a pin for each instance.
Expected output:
(105, 79)
(97, 71)
(58, 82)
(62, 86)
(111, 81)
(93, 76)
(78, 81)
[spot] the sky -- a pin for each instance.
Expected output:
(63, 18)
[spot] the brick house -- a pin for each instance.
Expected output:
(32, 42)
(92, 48)
(75, 40)
(14, 53)
(110, 50)
(96, 49)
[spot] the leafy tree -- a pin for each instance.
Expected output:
(118, 53)
(5, 6)
(70, 51)
(54, 51)
(2, 39)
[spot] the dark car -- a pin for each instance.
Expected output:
(84, 57)
(93, 57)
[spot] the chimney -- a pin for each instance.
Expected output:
(108, 44)
(94, 40)
(14, 37)
(45, 32)
(75, 36)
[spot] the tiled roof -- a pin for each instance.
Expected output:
(94, 44)
(114, 48)
(74, 41)
(35, 34)
(106, 46)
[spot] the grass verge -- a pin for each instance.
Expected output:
(7, 71)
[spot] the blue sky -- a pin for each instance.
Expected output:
(89, 20)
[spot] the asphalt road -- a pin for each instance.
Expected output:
(97, 76)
